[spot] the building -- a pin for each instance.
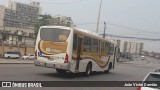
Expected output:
(127, 45)
(134, 47)
(19, 16)
(141, 45)
(61, 20)
(130, 46)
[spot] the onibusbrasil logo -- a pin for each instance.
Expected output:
(20, 84)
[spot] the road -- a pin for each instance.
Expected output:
(29, 72)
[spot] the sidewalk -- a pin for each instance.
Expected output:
(137, 62)
(143, 63)
(15, 61)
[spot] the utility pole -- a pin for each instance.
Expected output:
(98, 16)
(104, 33)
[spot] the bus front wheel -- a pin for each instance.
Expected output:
(61, 71)
(109, 68)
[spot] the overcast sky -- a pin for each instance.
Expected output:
(142, 16)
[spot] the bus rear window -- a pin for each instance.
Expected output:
(54, 34)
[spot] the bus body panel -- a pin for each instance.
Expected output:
(84, 63)
(52, 60)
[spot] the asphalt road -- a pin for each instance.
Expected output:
(29, 72)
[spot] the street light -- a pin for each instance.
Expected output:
(99, 16)
(104, 33)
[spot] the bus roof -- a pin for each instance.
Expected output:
(91, 34)
(62, 27)
(83, 31)
(86, 31)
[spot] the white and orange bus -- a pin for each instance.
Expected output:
(74, 50)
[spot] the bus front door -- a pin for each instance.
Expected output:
(115, 56)
(79, 49)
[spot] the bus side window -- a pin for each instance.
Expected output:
(99, 49)
(87, 44)
(75, 42)
(94, 47)
(111, 49)
(102, 47)
(107, 48)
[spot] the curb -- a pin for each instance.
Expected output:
(15, 61)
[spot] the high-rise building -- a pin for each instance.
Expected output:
(127, 45)
(19, 16)
(141, 45)
(133, 47)
(130, 46)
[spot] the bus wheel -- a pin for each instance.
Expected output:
(9, 57)
(60, 71)
(88, 69)
(109, 68)
(107, 71)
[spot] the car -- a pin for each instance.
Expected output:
(127, 55)
(142, 57)
(157, 56)
(152, 76)
(12, 54)
(28, 57)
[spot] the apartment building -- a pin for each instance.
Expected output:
(61, 20)
(19, 16)
(131, 46)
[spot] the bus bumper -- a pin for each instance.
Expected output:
(64, 66)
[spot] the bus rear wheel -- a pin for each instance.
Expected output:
(60, 71)
(88, 69)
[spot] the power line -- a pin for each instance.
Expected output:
(88, 23)
(122, 26)
(68, 2)
(141, 38)
(131, 28)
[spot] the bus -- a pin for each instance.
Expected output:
(74, 50)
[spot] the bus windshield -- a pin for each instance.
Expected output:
(54, 34)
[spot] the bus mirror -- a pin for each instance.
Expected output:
(62, 37)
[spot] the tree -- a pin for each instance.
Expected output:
(44, 20)
(3, 36)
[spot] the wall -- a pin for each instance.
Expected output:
(23, 50)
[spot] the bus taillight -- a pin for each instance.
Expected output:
(35, 54)
(66, 58)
